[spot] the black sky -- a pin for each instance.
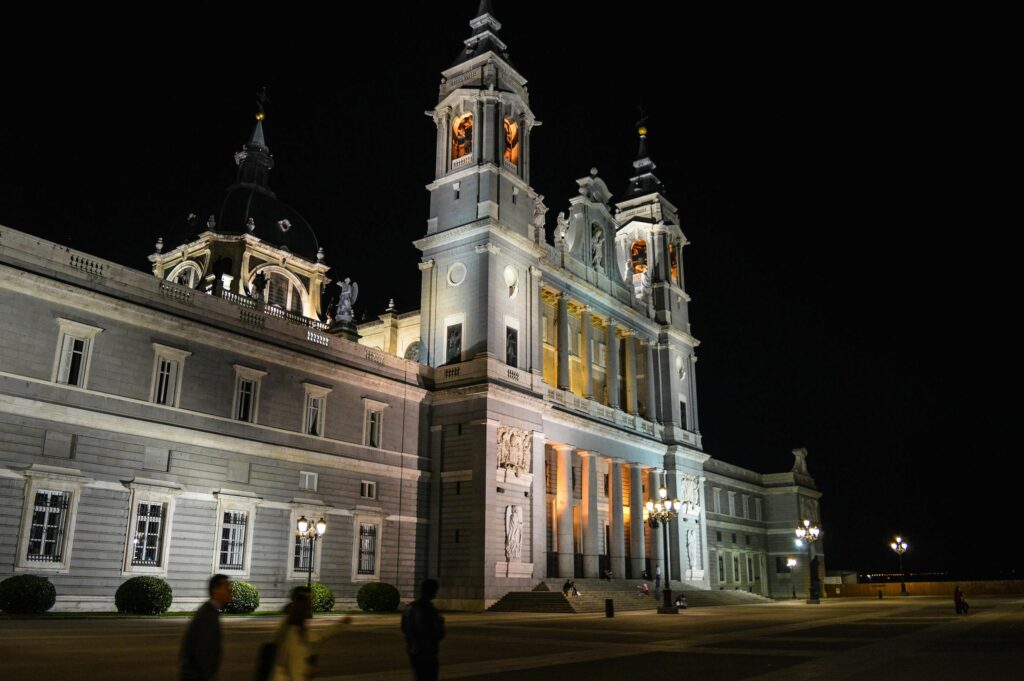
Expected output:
(850, 267)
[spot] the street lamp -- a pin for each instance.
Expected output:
(791, 563)
(310, 533)
(662, 511)
(808, 534)
(900, 547)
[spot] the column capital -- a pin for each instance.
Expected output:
(560, 447)
(584, 453)
(535, 271)
(426, 264)
(628, 332)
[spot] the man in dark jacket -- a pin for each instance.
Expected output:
(423, 627)
(200, 649)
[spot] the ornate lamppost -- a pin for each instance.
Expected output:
(310, 533)
(662, 511)
(900, 547)
(791, 563)
(808, 534)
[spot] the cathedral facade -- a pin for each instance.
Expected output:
(180, 422)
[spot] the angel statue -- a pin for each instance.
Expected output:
(346, 299)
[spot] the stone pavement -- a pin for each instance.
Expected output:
(856, 639)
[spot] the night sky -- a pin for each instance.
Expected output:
(849, 269)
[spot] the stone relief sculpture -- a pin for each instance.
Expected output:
(809, 509)
(346, 299)
(515, 449)
(689, 489)
(692, 550)
(513, 533)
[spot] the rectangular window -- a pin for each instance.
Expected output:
(735, 568)
(166, 378)
(72, 361)
(718, 536)
(373, 424)
(307, 481)
(149, 533)
(748, 539)
(732, 503)
(303, 554)
(757, 509)
(733, 537)
(718, 500)
(682, 415)
(780, 566)
(367, 549)
(512, 347)
(314, 416)
(232, 540)
(46, 534)
(453, 344)
(721, 568)
(750, 569)
(599, 352)
(606, 484)
(746, 506)
(368, 490)
(246, 399)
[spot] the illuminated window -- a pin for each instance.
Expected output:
(673, 259)
(462, 136)
(638, 255)
(511, 141)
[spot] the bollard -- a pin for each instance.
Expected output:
(609, 608)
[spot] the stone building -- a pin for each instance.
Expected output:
(179, 422)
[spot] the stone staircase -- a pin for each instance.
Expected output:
(547, 597)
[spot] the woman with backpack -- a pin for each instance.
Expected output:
(293, 658)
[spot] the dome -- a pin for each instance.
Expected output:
(249, 208)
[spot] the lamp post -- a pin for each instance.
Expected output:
(808, 534)
(900, 547)
(310, 532)
(662, 511)
(791, 563)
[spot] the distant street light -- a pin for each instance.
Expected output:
(808, 534)
(791, 563)
(900, 547)
(311, 533)
(662, 511)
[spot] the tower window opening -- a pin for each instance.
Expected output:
(462, 136)
(638, 256)
(511, 141)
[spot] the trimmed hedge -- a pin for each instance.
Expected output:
(378, 597)
(143, 596)
(244, 598)
(323, 598)
(26, 595)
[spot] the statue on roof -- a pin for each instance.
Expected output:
(346, 299)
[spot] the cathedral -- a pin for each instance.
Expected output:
(517, 427)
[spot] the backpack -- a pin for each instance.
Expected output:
(265, 658)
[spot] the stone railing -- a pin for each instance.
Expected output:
(598, 411)
(462, 161)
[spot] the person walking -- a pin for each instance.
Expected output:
(294, 659)
(423, 627)
(201, 647)
(657, 581)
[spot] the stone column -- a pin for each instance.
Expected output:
(539, 504)
(536, 337)
(563, 505)
(616, 521)
(631, 383)
(636, 519)
(443, 120)
(478, 117)
(649, 371)
(612, 366)
(591, 520)
(585, 355)
(657, 535)
(563, 341)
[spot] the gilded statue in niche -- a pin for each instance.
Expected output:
(511, 141)
(462, 136)
(515, 449)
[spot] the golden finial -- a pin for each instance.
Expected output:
(260, 116)
(642, 130)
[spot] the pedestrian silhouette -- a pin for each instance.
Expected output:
(423, 627)
(201, 647)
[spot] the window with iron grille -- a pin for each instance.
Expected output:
(149, 528)
(303, 552)
(232, 540)
(367, 549)
(46, 536)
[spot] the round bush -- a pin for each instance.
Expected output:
(244, 598)
(378, 597)
(143, 596)
(323, 598)
(26, 595)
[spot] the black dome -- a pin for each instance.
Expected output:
(273, 221)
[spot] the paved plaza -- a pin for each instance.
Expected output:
(910, 638)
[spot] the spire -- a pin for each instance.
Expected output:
(254, 160)
(485, 36)
(644, 181)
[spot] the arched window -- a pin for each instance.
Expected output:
(281, 292)
(511, 141)
(638, 255)
(673, 259)
(462, 136)
(412, 351)
(186, 274)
